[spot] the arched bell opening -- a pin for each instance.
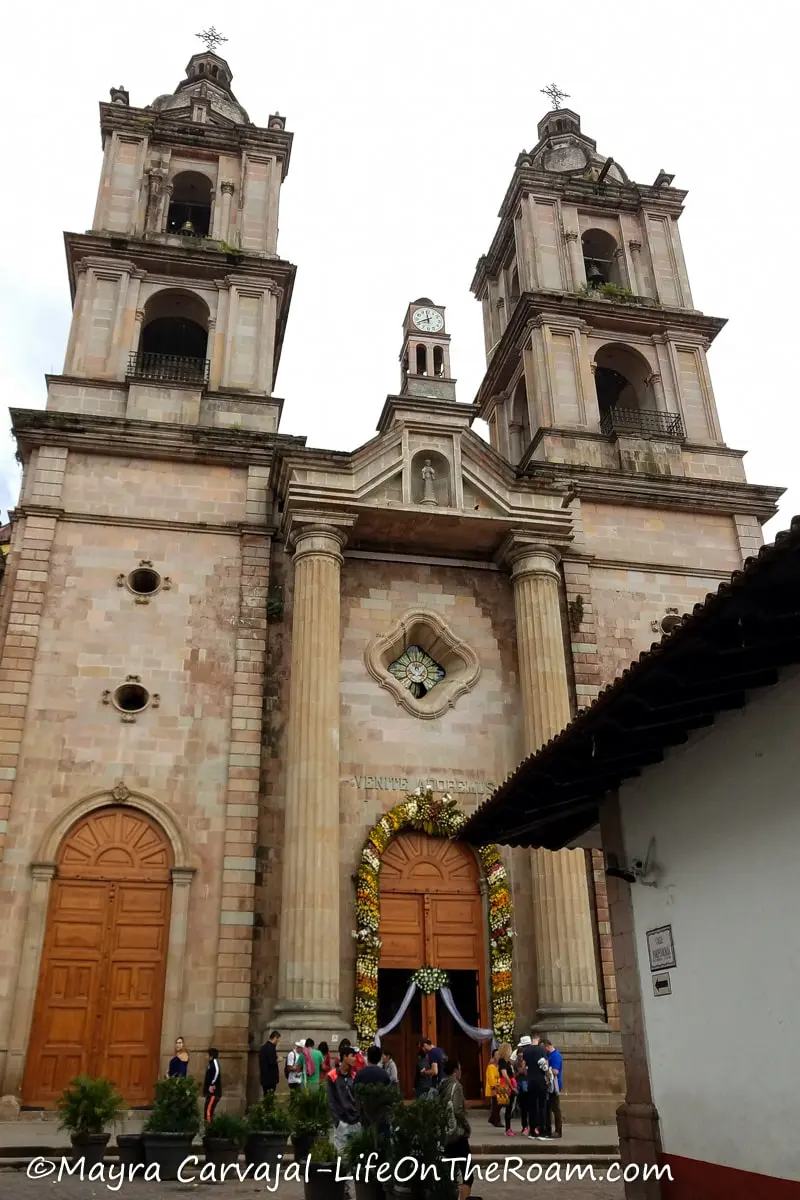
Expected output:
(599, 258)
(174, 340)
(622, 380)
(190, 207)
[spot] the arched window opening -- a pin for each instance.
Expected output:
(190, 207)
(214, 71)
(622, 381)
(438, 361)
(519, 426)
(174, 339)
(513, 287)
(599, 259)
(422, 360)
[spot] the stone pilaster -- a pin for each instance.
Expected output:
(308, 978)
(566, 968)
(638, 274)
(575, 259)
(235, 947)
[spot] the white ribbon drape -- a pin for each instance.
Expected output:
(477, 1035)
(398, 1016)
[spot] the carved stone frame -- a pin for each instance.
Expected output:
(418, 626)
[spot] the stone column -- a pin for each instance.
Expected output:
(566, 969)
(636, 258)
(42, 874)
(656, 383)
(575, 260)
(622, 267)
(225, 218)
(308, 975)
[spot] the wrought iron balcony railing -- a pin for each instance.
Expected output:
(640, 422)
(168, 368)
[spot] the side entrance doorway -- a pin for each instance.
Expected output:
(432, 915)
(101, 981)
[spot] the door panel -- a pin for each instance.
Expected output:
(101, 981)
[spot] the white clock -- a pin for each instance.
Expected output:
(428, 320)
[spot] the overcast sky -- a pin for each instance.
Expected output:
(408, 118)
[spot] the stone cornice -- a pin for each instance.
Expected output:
(118, 436)
(660, 491)
(159, 127)
(460, 413)
(232, 529)
(551, 307)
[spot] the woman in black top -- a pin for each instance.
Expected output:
(505, 1087)
(179, 1063)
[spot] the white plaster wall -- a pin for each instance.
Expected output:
(724, 1048)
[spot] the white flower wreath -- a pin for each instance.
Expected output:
(430, 979)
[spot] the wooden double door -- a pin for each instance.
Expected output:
(432, 915)
(101, 981)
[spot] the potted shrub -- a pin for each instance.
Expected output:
(85, 1108)
(268, 1128)
(224, 1138)
(310, 1118)
(377, 1103)
(321, 1182)
(172, 1125)
(419, 1133)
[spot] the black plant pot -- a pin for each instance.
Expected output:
(372, 1190)
(90, 1146)
(131, 1149)
(302, 1143)
(263, 1147)
(167, 1151)
(222, 1152)
(322, 1183)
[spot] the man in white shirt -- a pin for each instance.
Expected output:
(294, 1065)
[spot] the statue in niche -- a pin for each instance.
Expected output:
(428, 478)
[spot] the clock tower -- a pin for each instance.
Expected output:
(425, 357)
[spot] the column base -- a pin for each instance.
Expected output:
(575, 1018)
(323, 1022)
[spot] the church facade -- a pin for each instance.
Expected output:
(251, 689)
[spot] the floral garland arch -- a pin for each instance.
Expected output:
(424, 813)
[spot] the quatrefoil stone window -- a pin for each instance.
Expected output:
(423, 664)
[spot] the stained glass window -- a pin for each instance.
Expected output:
(417, 671)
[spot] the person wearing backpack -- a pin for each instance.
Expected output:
(458, 1127)
(293, 1067)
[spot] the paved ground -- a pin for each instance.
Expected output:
(14, 1185)
(599, 1137)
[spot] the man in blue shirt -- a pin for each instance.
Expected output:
(554, 1097)
(435, 1068)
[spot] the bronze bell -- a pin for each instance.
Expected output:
(187, 227)
(594, 276)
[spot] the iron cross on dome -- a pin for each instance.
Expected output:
(555, 94)
(211, 38)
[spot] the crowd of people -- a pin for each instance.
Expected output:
(527, 1081)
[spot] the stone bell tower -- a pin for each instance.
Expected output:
(134, 618)
(589, 323)
(180, 299)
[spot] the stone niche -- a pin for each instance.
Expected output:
(439, 492)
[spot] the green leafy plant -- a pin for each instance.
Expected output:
(419, 1130)
(376, 1103)
(227, 1128)
(175, 1108)
(88, 1105)
(611, 291)
(323, 1151)
(309, 1113)
(267, 1116)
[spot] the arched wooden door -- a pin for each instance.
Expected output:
(432, 915)
(101, 981)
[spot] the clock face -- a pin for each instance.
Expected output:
(428, 319)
